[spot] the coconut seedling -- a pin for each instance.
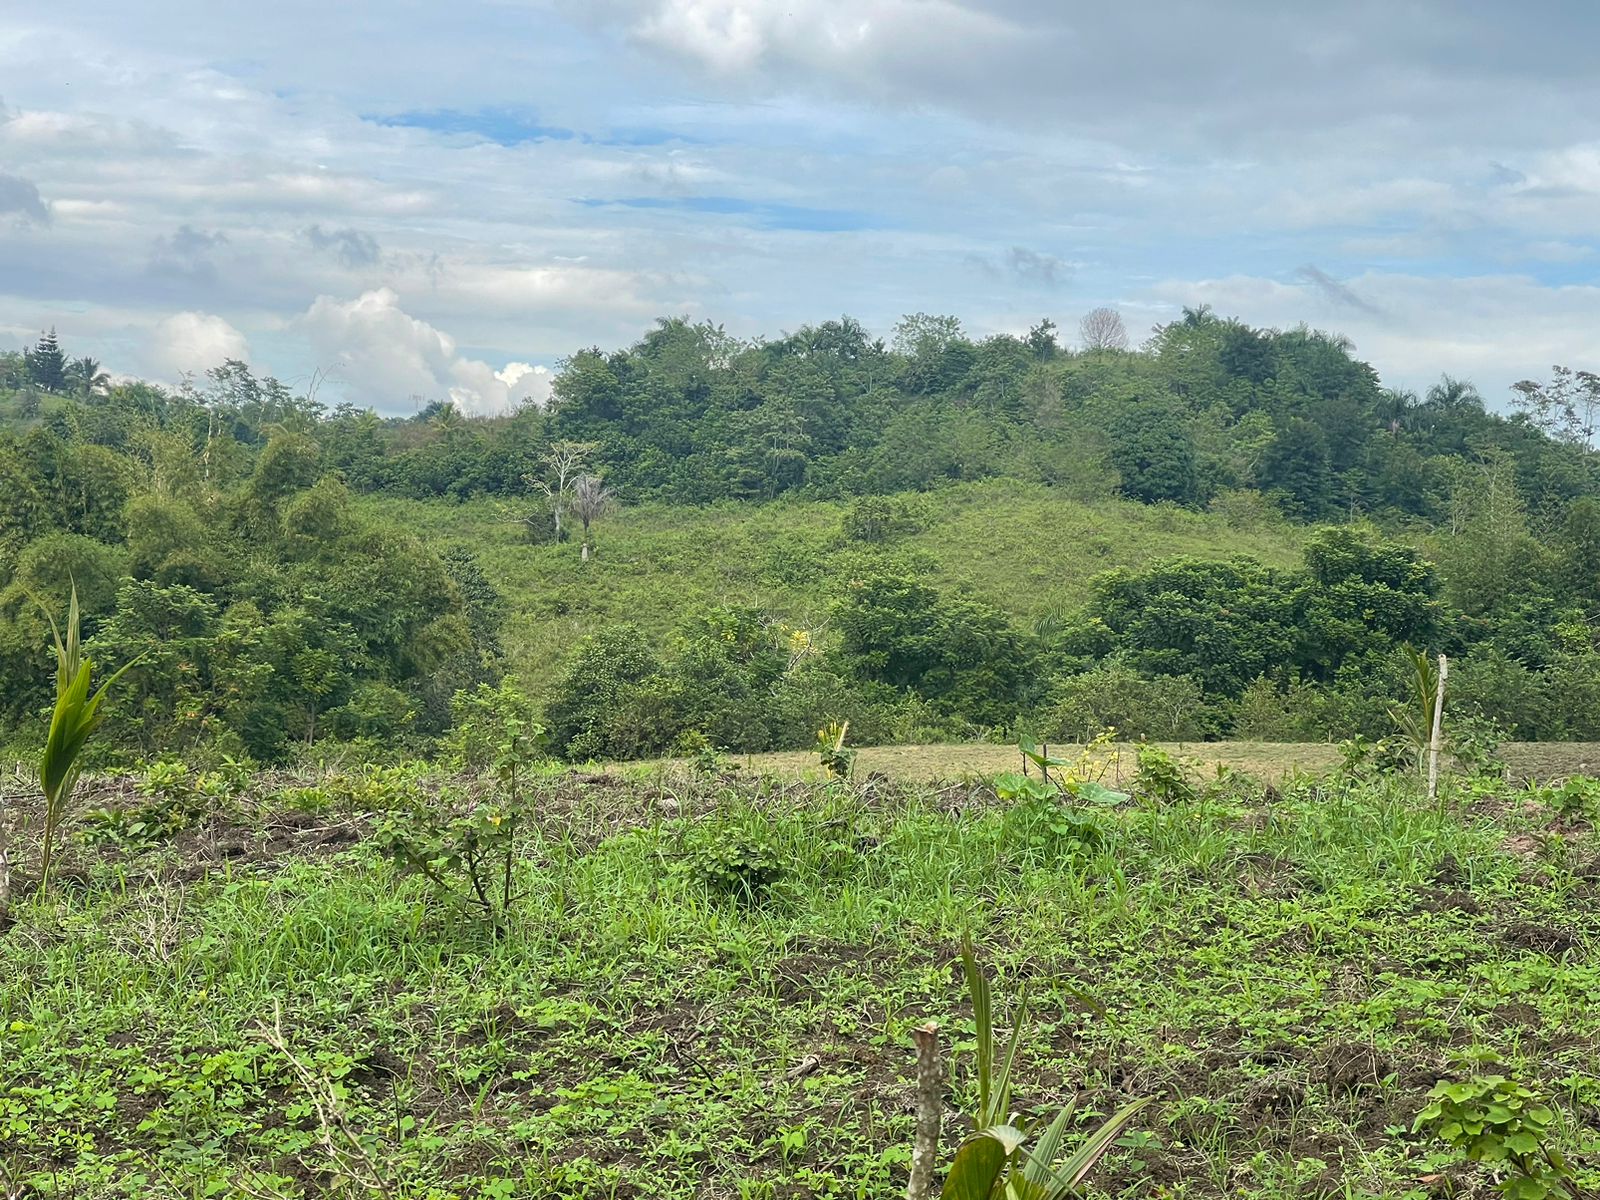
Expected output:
(77, 714)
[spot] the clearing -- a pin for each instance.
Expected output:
(708, 988)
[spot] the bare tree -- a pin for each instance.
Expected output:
(1565, 408)
(1102, 329)
(564, 462)
(591, 500)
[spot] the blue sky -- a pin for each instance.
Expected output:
(443, 200)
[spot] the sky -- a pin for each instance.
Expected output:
(422, 200)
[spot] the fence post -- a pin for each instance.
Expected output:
(1438, 730)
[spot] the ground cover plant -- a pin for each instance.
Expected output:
(263, 1003)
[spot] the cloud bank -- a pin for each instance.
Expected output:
(458, 201)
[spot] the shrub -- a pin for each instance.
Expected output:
(1498, 1121)
(1165, 707)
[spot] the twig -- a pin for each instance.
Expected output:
(354, 1162)
(930, 1088)
(804, 1067)
(5, 871)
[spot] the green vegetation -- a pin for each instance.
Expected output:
(703, 546)
(710, 986)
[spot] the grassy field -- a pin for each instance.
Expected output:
(262, 1006)
(1024, 548)
(1272, 762)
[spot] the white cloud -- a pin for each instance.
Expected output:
(192, 343)
(383, 356)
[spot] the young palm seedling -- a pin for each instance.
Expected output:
(77, 714)
(1009, 1157)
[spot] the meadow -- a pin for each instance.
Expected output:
(705, 984)
(1028, 550)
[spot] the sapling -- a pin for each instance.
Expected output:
(77, 714)
(1007, 1156)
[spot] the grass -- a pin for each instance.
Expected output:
(263, 1007)
(1273, 762)
(659, 565)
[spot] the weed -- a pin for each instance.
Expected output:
(738, 865)
(1161, 778)
(1576, 798)
(1505, 1124)
(705, 759)
(172, 802)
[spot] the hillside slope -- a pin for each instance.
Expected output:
(1025, 548)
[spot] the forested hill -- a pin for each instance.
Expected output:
(691, 415)
(776, 567)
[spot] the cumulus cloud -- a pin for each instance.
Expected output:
(350, 246)
(386, 357)
(22, 198)
(1040, 146)
(192, 343)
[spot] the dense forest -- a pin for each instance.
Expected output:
(229, 535)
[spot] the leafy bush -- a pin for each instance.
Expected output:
(1161, 778)
(171, 804)
(470, 857)
(1498, 1121)
(738, 865)
(1575, 798)
(1115, 696)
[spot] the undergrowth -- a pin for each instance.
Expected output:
(707, 986)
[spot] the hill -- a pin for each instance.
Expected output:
(1024, 548)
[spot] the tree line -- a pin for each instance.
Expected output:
(213, 528)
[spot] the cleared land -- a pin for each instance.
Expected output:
(1269, 761)
(262, 1006)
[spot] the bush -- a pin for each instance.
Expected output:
(1163, 708)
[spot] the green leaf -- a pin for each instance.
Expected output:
(1076, 1169)
(1092, 792)
(978, 1167)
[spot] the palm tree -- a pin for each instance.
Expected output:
(591, 500)
(87, 378)
(447, 418)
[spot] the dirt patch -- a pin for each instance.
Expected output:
(1532, 935)
(1350, 1066)
(803, 975)
(1434, 900)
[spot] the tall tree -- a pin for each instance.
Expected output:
(46, 364)
(564, 462)
(87, 379)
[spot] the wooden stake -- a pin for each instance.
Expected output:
(930, 1100)
(1438, 730)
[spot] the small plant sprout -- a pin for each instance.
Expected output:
(76, 716)
(836, 760)
(1008, 1158)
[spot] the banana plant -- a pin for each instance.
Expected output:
(1010, 1158)
(77, 714)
